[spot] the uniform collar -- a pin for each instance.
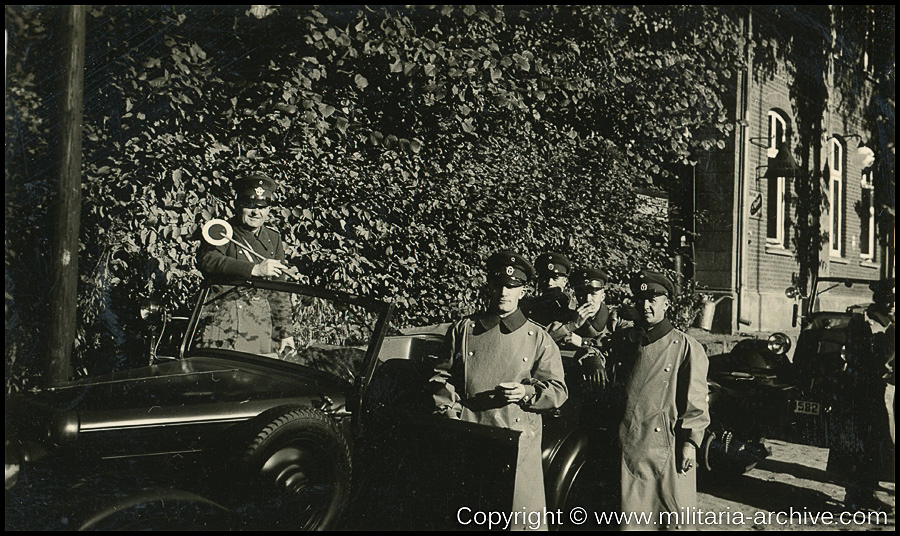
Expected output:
(508, 323)
(647, 336)
(881, 318)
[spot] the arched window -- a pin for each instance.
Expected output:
(836, 198)
(778, 196)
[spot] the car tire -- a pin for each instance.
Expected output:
(299, 468)
(723, 454)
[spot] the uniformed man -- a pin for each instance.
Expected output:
(587, 324)
(666, 411)
(501, 369)
(252, 320)
(863, 419)
(552, 304)
(592, 318)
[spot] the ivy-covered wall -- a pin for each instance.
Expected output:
(408, 143)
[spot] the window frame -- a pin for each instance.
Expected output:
(836, 198)
(777, 134)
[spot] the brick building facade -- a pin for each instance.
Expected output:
(744, 254)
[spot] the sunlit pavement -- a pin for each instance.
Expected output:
(790, 490)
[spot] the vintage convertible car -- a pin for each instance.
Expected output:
(218, 431)
(215, 432)
(760, 392)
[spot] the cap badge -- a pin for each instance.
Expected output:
(550, 266)
(260, 191)
(643, 286)
(512, 259)
(509, 270)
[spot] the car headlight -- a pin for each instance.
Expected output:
(778, 343)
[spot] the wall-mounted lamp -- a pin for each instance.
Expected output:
(781, 161)
(864, 154)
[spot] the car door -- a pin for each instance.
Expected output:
(418, 471)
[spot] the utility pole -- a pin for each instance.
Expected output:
(64, 263)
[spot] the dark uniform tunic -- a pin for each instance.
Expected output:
(859, 424)
(487, 351)
(250, 320)
(550, 310)
(666, 405)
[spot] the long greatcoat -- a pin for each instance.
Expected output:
(859, 426)
(251, 320)
(486, 351)
(666, 405)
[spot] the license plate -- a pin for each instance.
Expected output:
(806, 407)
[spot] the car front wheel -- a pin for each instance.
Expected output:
(299, 469)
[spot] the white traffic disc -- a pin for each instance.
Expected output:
(217, 228)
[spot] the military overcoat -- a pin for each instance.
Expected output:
(484, 351)
(666, 405)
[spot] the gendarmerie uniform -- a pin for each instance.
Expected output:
(666, 405)
(250, 320)
(553, 306)
(485, 350)
(596, 327)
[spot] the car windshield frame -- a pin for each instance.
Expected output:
(847, 282)
(380, 308)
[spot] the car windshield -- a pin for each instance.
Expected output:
(825, 285)
(330, 334)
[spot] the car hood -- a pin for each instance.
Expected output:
(189, 392)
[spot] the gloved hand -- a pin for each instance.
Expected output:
(593, 369)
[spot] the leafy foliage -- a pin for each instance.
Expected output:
(409, 143)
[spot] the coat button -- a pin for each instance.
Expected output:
(666, 369)
(471, 353)
(524, 359)
(531, 333)
(517, 419)
(656, 429)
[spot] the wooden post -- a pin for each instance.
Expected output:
(64, 263)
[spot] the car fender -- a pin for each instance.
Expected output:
(566, 459)
(158, 509)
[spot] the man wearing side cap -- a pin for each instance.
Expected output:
(501, 369)
(264, 317)
(666, 411)
(553, 304)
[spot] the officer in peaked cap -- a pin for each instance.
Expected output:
(552, 304)
(589, 322)
(592, 316)
(265, 318)
(503, 370)
(663, 371)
